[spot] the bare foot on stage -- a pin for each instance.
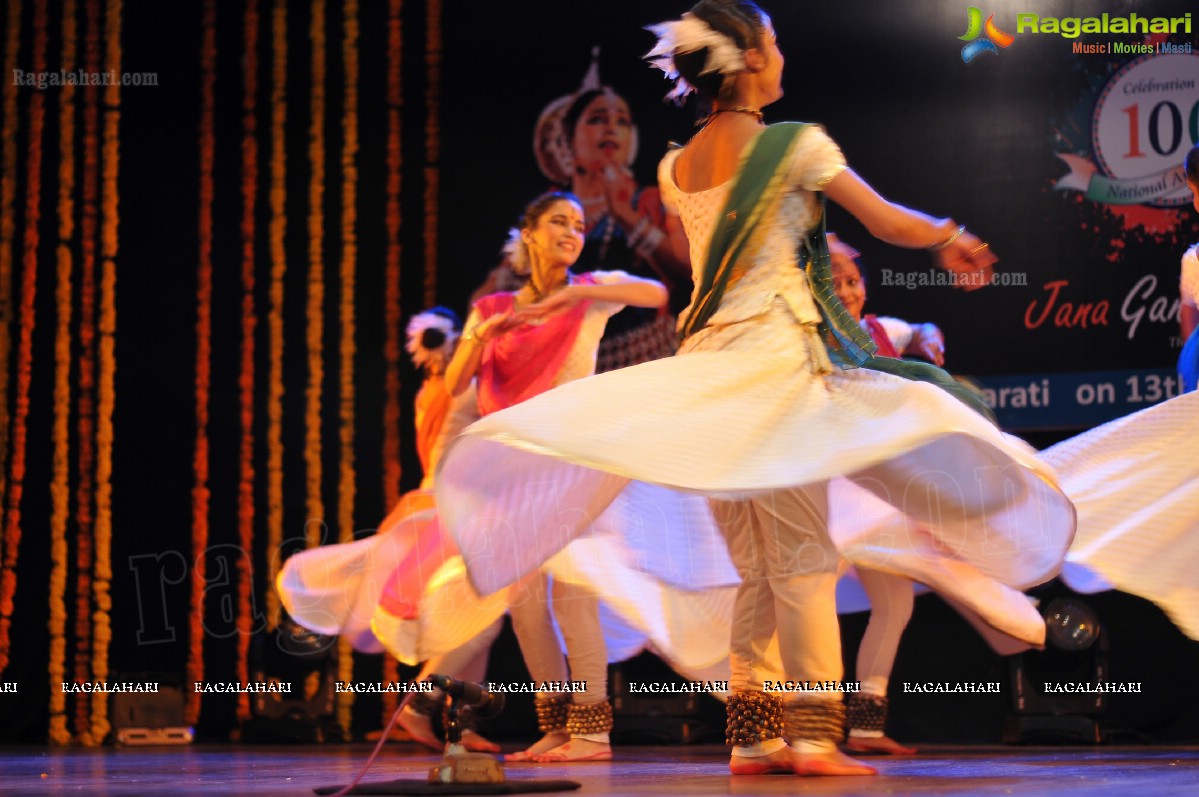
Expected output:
(542, 745)
(576, 750)
(420, 728)
(781, 762)
(879, 745)
(476, 743)
(831, 763)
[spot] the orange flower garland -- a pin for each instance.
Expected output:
(60, 483)
(316, 277)
(86, 398)
(432, 144)
(393, 346)
(24, 361)
(200, 493)
(249, 321)
(109, 245)
(8, 194)
(278, 229)
(349, 261)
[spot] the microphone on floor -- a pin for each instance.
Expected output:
(475, 696)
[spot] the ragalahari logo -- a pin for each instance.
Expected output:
(993, 40)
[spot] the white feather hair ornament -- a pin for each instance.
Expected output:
(431, 339)
(686, 35)
(517, 253)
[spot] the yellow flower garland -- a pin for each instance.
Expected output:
(315, 506)
(60, 483)
(110, 221)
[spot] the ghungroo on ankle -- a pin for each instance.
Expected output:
(753, 717)
(815, 721)
(866, 712)
(552, 713)
(589, 718)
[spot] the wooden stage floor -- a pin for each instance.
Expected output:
(689, 770)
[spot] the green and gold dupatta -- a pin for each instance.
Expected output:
(758, 186)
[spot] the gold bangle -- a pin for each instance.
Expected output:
(937, 247)
(470, 338)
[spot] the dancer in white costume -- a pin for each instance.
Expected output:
(754, 414)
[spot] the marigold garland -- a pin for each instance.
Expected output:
(393, 348)
(24, 360)
(8, 195)
(60, 483)
(109, 243)
(200, 492)
(315, 522)
(249, 322)
(394, 342)
(432, 145)
(278, 229)
(86, 393)
(348, 323)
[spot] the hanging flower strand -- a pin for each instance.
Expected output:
(347, 321)
(24, 358)
(200, 493)
(392, 472)
(315, 504)
(432, 144)
(85, 407)
(278, 229)
(249, 322)
(110, 224)
(60, 482)
(8, 195)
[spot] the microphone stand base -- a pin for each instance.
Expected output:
(459, 766)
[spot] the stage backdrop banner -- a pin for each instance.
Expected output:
(1057, 138)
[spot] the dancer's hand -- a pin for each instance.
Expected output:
(557, 302)
(619, 188)
(928, 343)
(492, 327)
(969, 258)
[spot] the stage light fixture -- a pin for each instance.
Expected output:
(292, 654)
(1057, 692)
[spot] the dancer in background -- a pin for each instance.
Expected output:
(762, 406)
(515, 346)
(586, 142)
(333, 589)
(891, 596)
(518, 345)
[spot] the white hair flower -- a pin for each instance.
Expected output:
(687, 35)
(431, 338)
(517, 253)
